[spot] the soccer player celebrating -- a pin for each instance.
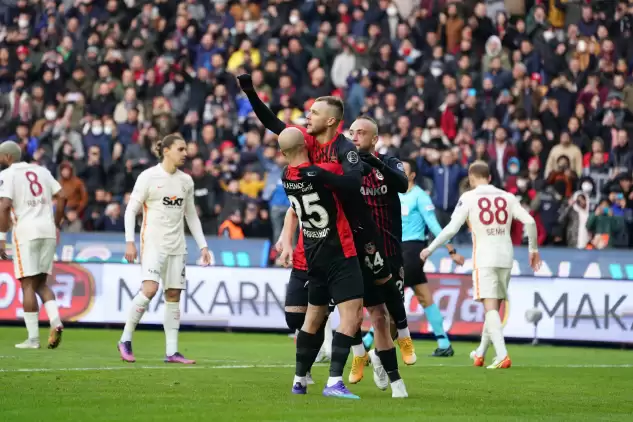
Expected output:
(27, 192)
(325, 144)
(383, 179)
(418, 213)
(490, 212)
(333, 267)
(165, 194)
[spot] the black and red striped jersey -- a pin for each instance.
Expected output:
(326, 232)
(384, 203)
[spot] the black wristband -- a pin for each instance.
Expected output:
(453, 252)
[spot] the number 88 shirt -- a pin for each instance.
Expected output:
(489, 212)
(31, 188)
(330, 253)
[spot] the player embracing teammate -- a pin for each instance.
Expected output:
(325, 145)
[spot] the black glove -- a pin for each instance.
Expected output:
(311, 172)
(245, 82)
(372, 160)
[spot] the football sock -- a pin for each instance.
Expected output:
(319, 339)
(139, 305)
(368, 339)
(308, 346)
(485, 342)
(171, 324)
(389, 361)
(53, 313)
(32, 325)
(437, 323)
(340, 351)
(495, 331)
(357, 344)
(395, 304)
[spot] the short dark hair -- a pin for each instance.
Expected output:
(479, 169)
(167, 142)
(412, 163)
(336, 103)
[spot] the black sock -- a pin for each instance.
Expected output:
(308, 346)
(319, 336)
(358, 338)
(341, 345)
(394, 303)
(390, 363)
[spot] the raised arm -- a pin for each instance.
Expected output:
(263, 113)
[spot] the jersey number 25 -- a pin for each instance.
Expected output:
(312, 209)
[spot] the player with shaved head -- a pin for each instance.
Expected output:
(333, 268)
(27, 192)
(489, 212)
(325, 144)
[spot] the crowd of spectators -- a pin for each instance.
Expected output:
(541, 89)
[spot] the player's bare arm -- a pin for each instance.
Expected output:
(284, 244)
(195, 227)
(5, 224)
(263, 113)
(60, 207)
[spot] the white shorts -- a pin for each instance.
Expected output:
(33, 257)
(169, 270)
(491, 283)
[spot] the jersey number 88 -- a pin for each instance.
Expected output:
(488, 214)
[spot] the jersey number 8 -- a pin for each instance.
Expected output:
(34, 184)
(311, 209)
(488, 214)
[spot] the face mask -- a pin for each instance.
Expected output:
(97, 130)
(522, 184)
(548, 36)
(586, 187)
(107, 130)
(392, 10)
(436, 72)
(50, 114)
(294, 19)
(23, 23)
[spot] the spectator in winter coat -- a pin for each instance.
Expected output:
(603, 225)
(73, 187)
(574, 217)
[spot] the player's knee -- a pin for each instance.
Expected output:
(149, 289)
(295, 320)
(172, 295)
(379, 317)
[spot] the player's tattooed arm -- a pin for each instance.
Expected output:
(263, 113)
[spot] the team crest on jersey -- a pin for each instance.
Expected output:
(352, 157)
(400, 167)
(379, 175)
(370, 248)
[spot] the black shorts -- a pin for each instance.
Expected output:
(397, 271)
(297, 289)
(335, 282)
(413, 266)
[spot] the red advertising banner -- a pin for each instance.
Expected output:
(73, 285)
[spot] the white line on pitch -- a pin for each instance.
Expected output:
(128, 367)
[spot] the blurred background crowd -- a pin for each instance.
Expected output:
(541, 89)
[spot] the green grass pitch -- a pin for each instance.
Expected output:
(247, 377)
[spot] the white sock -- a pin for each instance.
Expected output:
(359, 350)
(485, 342)
(327, 340)
(493, 326)
(300, 380)
(171, 325)
(139, 305)
(53, 313)
(32, 325)
(333, 380)
(403, 333)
